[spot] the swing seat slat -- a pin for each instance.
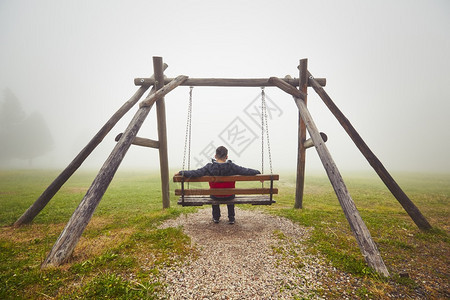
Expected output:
(205, 200)
(230, 191)
(259, 177)
(200, 196)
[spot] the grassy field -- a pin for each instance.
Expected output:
(122, 250)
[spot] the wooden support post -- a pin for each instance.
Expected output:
(376, 164)
(301, 151)
(54, 187)
(68, 239)
(162, 133)
(366, 244)
(138, 141)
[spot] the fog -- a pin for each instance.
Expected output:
(387, 66)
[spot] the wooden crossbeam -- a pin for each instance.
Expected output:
(141, 141)
(226, 82)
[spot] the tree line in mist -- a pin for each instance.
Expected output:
(23, 136)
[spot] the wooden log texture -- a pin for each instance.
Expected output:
(309, 142)
(162, 133)
(288, 88)
(56, 185)
(260, 177)
(367, 246)
(206, 200)
(138, 141)
(68, 239)
(376, 164)
(301, 139)
(149, 101)
(226, 82)
(230, 191)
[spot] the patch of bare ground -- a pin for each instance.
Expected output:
(259, 257)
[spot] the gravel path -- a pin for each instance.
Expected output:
(259, 257)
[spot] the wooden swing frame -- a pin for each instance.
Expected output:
(64, 246)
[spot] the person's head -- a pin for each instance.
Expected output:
(221, 153)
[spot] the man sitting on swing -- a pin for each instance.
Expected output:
(221, 167)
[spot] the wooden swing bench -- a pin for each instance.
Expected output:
(201, 196)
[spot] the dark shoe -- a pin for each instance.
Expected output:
(216, 221)
(231, 221)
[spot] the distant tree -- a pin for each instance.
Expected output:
(11, 112)
(33, 138)
(21, 136)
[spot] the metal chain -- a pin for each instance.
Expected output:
(265, 125)
(187, 146)
(262, 128)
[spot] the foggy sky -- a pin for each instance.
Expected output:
(386, 62)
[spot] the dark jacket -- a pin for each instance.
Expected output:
(220, 169)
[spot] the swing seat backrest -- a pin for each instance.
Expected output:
(201, 196)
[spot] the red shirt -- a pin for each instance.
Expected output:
(222, 185)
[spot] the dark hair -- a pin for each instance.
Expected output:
(221, 152)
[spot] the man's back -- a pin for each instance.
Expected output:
(215, 168)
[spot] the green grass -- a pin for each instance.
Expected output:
(424, 255)
(110, 263)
